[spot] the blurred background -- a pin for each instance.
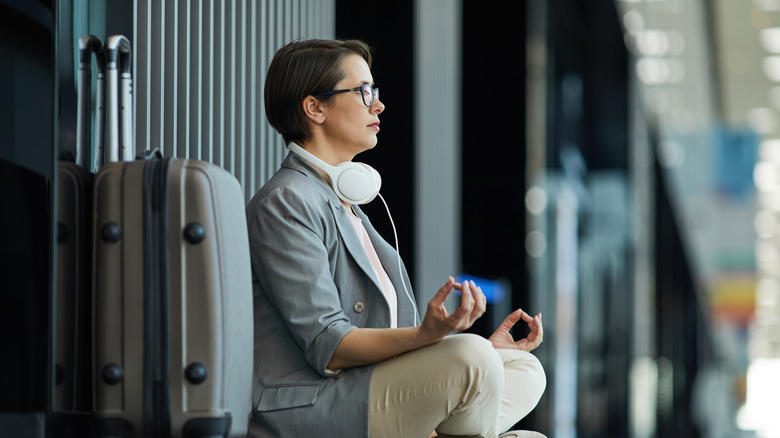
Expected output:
(612, 164)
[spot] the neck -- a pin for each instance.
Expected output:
(313, 150)
(325, 152)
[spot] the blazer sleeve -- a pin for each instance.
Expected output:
(290, 258)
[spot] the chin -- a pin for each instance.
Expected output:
(371, 144)
(364, 145)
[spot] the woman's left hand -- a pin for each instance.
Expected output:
(502, 339)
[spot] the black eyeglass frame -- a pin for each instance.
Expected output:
(374, 93)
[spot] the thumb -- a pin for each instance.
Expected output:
(444, 291)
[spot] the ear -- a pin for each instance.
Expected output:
(314, 110)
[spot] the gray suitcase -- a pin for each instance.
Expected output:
(72, 372)
(74, 191)
(173, 324)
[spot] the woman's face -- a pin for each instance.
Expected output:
(350, 127)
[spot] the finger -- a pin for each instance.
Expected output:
(477, 293)
(537, 334)
(467, 293)
(436, 304)
(527, 318)
(536, 324)
(457, 286)
(466, 302)
(540, 328)
(480, 301)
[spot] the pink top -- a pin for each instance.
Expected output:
(384, 280)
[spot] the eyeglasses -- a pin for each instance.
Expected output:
(368, 93)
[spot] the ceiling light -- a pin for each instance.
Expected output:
(762, 120)
(769, 150)
(772, 68)
(536, 244)
(536, 200)
(770, 39)
(766, 176)
(633, 21)
(765, 223)
(767, 5)
(676, 43)
(768, 201)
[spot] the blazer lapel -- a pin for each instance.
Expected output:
(389, 258)
(352, 242)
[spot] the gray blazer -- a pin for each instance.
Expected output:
(313, 283)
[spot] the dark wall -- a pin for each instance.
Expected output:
(682, 337)
(493, 132)
(27, 77)
(589, 92)
(494, 148)
(389, 30)
(587, 133)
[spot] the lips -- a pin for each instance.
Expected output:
(374, 125)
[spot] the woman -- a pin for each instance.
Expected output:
(339, 348)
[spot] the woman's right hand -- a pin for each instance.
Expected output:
(363, 346)
(438, 322)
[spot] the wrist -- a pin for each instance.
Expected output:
(426, 336)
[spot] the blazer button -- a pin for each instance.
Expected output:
(359, 307)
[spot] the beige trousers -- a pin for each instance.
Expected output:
(460, 386)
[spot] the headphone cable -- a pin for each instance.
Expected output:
(398, 254)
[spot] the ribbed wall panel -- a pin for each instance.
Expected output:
(437, 140)
(199, 71)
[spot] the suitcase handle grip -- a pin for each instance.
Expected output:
(153, 154)
(118, 50)
(119, 100)
(89, 44)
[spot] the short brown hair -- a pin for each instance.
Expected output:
(302, 68)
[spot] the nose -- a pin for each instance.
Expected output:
(378, 106)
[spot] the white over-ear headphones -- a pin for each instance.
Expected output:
(354, 183)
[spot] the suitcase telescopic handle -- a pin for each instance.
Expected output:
(119, 100)
(89, 45)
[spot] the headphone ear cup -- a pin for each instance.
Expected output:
(376, 180)
(356, 183)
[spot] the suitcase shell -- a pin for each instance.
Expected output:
(72, 379)
(173, 336)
